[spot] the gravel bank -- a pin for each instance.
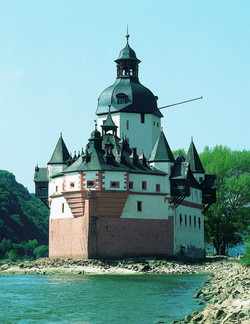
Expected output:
(71, 266)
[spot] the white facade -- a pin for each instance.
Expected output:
(141, 136)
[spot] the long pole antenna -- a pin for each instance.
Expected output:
(182, 102)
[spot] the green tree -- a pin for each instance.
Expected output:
(12, 256)
(226, 220)
(41, 251)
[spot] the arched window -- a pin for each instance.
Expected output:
(122, 98)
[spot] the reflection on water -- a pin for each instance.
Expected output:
(97, 298)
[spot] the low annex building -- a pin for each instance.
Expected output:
(125, 195)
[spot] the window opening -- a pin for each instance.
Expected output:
(139, 206)
(199, 223)
(114, 184)
(186, 220)
(180, 219)
(62, 207)
(142, 118)
(131, 185)
(127, 124)
(144, 185)
(90, 183)
(194, 221)
(190, 221)
(158, 187)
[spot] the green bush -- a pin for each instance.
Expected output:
(12, 256)
(41, 251)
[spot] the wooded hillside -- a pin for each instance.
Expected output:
(22, 216)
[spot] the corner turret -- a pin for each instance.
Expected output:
(59, 158)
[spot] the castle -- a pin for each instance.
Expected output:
(125, 195)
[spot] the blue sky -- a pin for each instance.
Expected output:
(56, 57)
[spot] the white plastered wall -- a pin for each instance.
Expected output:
(186, 235)
(90, 176)
(53, 183)
(141, 135)
(153, 207)
(111, 176)
(72, 178)
(59, 208)
(151, 180)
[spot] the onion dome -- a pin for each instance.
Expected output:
(127, 94)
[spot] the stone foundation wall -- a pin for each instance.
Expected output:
(119, 237)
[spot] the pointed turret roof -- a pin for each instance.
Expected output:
(161, 151)
(60, 154)
(193, 159)
(109, 123)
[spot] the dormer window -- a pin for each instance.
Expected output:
(122, 98)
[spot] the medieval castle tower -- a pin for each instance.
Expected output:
(125, 195)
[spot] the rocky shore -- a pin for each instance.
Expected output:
(227, 298)
(72, 266)
(226, 293)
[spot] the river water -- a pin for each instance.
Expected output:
(97, 298)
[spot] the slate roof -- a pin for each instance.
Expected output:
(119, 159)
(193, 159)
(40, 175)
(209, 182)
(181, 172)
(161, 151)
(109, 123)
(139, 98)
(127, 53)
(60, 154)
(180, 168)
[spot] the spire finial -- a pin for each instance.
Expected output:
(127, 36)
(192, 139)
(60, 134)
(109, 108)
(95, 124)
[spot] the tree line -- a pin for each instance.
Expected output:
(22, 251)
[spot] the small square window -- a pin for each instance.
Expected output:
(114, 184)
(158, 187)
(139, 206)
(131, 185)
(90, 183)
(144, 185)
(72, 185)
